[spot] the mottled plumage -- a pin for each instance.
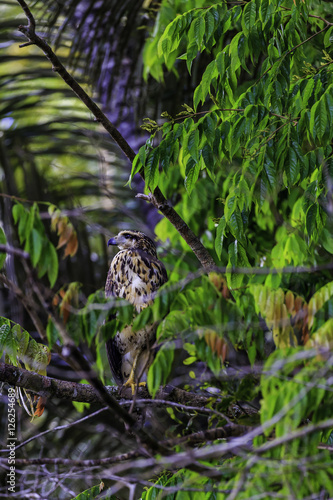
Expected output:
(135, 274)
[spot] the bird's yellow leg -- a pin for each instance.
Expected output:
(130, 382)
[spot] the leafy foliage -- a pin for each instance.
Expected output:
(248, 164)
(19, 347)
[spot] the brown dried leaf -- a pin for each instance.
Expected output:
(298, 303)
(65, 311)
(72, 245)
(220, 283)
(55, 300)
(65, 234)
(40, 406)
(289, 301)
(217, 344)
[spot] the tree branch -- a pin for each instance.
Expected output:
(160, 201)
(14, 251)
(84, 393)
(50, 387)
(229, 430)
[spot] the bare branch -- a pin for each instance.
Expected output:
(191, 239)
(57, 428)
(14, 251)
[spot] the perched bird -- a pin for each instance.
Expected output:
(135, 274)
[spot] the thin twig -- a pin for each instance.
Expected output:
(57, 428)
(14, 251)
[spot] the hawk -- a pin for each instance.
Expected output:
(135, 274)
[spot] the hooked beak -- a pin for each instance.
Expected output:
(112, 241)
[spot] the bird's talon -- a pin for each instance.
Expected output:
(132, 384)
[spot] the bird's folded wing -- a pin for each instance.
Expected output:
(115, 360)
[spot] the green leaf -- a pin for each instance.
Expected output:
(192, 51)
(329, 104)
(311, 218)
(249, 17)
(292, 167)
(18, 210)
(210, 73)
(4, 334)
(22, 222)
(51, 333)
(292, 250)
(52, 263)
(164, 47)
(160, 368)
(191, 174)
(208, 157)
(143, 319)
(328, 39)
(235, 62)
(151, 169)
(318, 120)
(125, 313)
(307, 93)
(22, 337)
(237, 259)
(136, 167)
(35, 246)
(143, 154)
(31, 220)
(193, 144)
(327, 240)
(242, 51)
(209, 127)
(235, 224)
(210, 24)
(8, 343)
(93, 492)
(220, 236)
(270, 171)
(199, 30)
(3, 241)
(264, 11)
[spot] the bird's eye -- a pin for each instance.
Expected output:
(126, 235)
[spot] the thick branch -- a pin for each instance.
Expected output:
(50, 387)
(54, 388)
(191, 239)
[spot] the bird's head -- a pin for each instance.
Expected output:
(133, 239)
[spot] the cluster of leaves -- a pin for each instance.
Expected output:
(18, 348)
(269, 135)
(42, 252)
